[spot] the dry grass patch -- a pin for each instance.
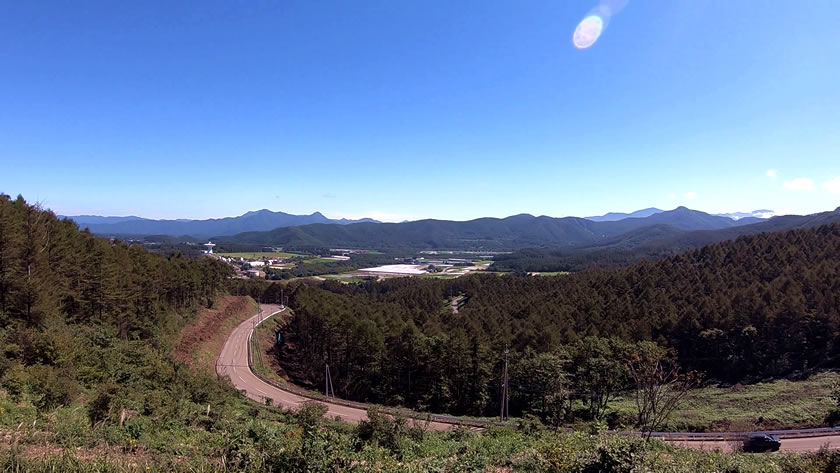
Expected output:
(201, 341)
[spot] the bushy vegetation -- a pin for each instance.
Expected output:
(306, 442)
(760, 306)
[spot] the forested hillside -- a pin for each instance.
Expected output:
(52, 273)
(762, 305)
(80, 313)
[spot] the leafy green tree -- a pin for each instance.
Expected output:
(541, 384)
(601, 372)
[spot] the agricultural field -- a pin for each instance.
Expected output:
(259, 255)
(440, 276)
(318, 259)
(349, 277)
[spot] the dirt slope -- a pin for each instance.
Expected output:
(202, 340)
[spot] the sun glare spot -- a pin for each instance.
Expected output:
(588, 31)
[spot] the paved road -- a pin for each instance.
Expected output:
(233, 363)
(801, 445)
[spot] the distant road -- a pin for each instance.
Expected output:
(233, 364)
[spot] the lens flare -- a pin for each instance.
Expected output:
(588, 31)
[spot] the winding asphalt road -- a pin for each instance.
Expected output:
(233, 364)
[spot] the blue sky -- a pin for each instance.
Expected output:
(446, 109)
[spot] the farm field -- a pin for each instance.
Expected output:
(320, 260)
(440, 276)
(347, 277)
(258, 255)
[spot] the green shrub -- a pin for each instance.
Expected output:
(71, 427)
(100, 407)
(383, 430)
(51, 387)
(15, 381)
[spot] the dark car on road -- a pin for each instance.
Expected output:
(762, 442)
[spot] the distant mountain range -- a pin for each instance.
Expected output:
(615, 216)
(518, 231)
(265, 227)
(248, 222)
(650, 241)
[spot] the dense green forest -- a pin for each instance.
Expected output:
(759, 306)
(51, 273)
(87, 317)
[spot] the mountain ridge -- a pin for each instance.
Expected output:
(615, 216)
(516, 231)
(254, 220)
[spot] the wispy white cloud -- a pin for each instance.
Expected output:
(772, 174)
(833, 185)
(800, 184)
(690, 195)
(672, 196)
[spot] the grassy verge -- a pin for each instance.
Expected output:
(772, 405)
(261, 347)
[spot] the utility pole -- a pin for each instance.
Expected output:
(329, 391)
(505, 411)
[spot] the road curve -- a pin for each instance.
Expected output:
(233, 364)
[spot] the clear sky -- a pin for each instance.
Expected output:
(397, 109)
